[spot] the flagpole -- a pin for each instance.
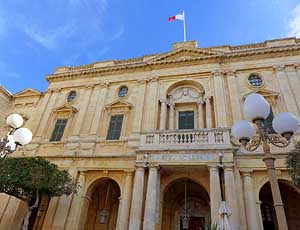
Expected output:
(184, 31)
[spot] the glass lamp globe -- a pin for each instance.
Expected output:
(22, 136)
(243, 131)
(256, 107)
(103, 216)
(285, 124)
(14, 120)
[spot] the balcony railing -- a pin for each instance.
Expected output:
(186, 139)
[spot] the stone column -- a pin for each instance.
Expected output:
(231, 198)
(151, 200)
(259, 217)
(125, 206)
(215, 193)
(163, 114)
(137, 199)
(171, 116)
(200, 115)
(208, 113)
(250, 205)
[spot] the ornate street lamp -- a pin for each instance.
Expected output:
(103, 212)
(16, 136)
(185, 218)
(257, 109)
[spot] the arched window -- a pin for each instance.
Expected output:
(123, 91)
(255, 80)
(71, 96)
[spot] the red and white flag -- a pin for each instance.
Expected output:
(179, 16)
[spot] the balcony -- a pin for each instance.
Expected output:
(218, 138)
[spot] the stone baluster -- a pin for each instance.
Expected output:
(171, 116)
(200, 115)
(163, 114)
(208, 113)
(137, 200)
(151, 199)
(250, 205)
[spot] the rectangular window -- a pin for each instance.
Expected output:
(115, 127)
(186, 120)
(58, 129)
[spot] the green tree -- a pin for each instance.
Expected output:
(31, 177)
(293, 164)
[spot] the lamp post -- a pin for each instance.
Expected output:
(16, 136)
(257, 109)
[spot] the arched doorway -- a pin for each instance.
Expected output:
(196, 206)
(291, 200)
(103, 207)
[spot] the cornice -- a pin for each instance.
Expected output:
(86, 71)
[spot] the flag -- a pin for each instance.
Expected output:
(179, 16)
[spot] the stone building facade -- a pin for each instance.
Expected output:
(143, 136)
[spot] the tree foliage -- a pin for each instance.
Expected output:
(25, 177)
(293, 164)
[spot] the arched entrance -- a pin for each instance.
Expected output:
(103, 207)
(291, 200)
(196, 205)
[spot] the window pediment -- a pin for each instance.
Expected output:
(28, 93)
(119, 105)
(264, 92)
(65, 110)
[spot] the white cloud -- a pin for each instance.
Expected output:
(294, 23)
(76, 22)
(50, 39)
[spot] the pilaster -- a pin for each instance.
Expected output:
(286, 91)
(219, 99)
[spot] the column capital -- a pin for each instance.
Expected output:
(154, 167)
(213, 167)
(129, 172)
(217, 72)
(297, 66)
(279, 67)
(231, 72)
(83, 173)
(207, 98)
(172, 105)
(139, 166)
(246, 173)
(143, 81)
(228, 167)
(163, 101)
(200, 102)
(105, 84)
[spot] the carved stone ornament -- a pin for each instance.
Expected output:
(185, 94)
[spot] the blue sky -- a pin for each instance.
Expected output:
(36, 36)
